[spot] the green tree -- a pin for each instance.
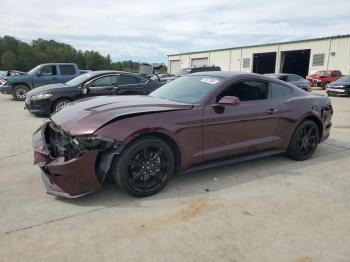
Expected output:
(8, 59)
(15, 54)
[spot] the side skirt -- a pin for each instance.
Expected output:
(230, 161)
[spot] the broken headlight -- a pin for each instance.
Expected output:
(93, 142)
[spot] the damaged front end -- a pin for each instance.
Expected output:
(72, 166)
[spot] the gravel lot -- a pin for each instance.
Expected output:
(271, 209)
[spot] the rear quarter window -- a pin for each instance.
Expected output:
(278, 90)
(67, 69)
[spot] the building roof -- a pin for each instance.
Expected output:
(267, 44)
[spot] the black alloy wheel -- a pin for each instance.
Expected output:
(304, 141)
(145, 167)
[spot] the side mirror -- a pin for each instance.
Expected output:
(39, 73)
(229, 101)
(85, 88)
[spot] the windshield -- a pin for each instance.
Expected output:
(188, 89)
(79, 79)
(344, 79)
(31, 71)
(322, 73)
(184, 71)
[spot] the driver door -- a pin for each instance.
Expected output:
(247, 127)
(104, 85)
(45, 76)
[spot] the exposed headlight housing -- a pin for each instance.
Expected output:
(41, 96)
(94, 142)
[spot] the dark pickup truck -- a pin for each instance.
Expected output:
(18, 85)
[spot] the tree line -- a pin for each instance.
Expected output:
(21, 56)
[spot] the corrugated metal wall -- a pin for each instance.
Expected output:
(336, 55)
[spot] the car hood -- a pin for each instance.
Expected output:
(88, 115)
(315, 76)
(16, 78)
(46, 89)
(336, 83)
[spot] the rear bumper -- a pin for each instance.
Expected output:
(72, 178)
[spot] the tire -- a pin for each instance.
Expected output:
(304, 141)
(323, 86)
(60, 103)
(144, 167)
(19, 92)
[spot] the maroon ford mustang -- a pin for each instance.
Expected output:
(197, 121)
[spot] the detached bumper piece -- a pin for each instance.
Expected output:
(67, 170)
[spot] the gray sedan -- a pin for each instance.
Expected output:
(296, 80)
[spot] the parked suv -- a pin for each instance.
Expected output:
(324, 77)
(19, 85)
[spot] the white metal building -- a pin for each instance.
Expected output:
(299, 57)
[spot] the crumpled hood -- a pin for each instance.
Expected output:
(88, 115)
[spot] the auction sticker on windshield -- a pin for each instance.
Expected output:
(210, 80)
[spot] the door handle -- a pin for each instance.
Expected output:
(272, 111)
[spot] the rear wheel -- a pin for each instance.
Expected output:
(144, 167)
(59, 104)
(304, 141)
(19, 92)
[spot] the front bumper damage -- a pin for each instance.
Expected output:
(67, 172)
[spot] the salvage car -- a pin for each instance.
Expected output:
(296, 80)
(340, 87)
(47, 99)
(323, 77)
(196, 121)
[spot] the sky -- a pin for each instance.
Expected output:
(149, 30)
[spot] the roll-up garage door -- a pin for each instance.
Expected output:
(198, 62)
(174, 66)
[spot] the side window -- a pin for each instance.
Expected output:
(293, 78)
(278, 90)
(247, 91)
(128, 80)
(48, 70)
(104, 81)
(67, 69)
(283, 78)
(142, 80)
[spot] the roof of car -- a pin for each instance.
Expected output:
(224, 74)
(279, 74)
(102, 72)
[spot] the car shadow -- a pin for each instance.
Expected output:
(204, 182)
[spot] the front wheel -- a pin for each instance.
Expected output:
(144, 167)
(19, 92)
(304, 141)
(59, 104)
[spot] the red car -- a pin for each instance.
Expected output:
(196, 121)
(324, 77)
